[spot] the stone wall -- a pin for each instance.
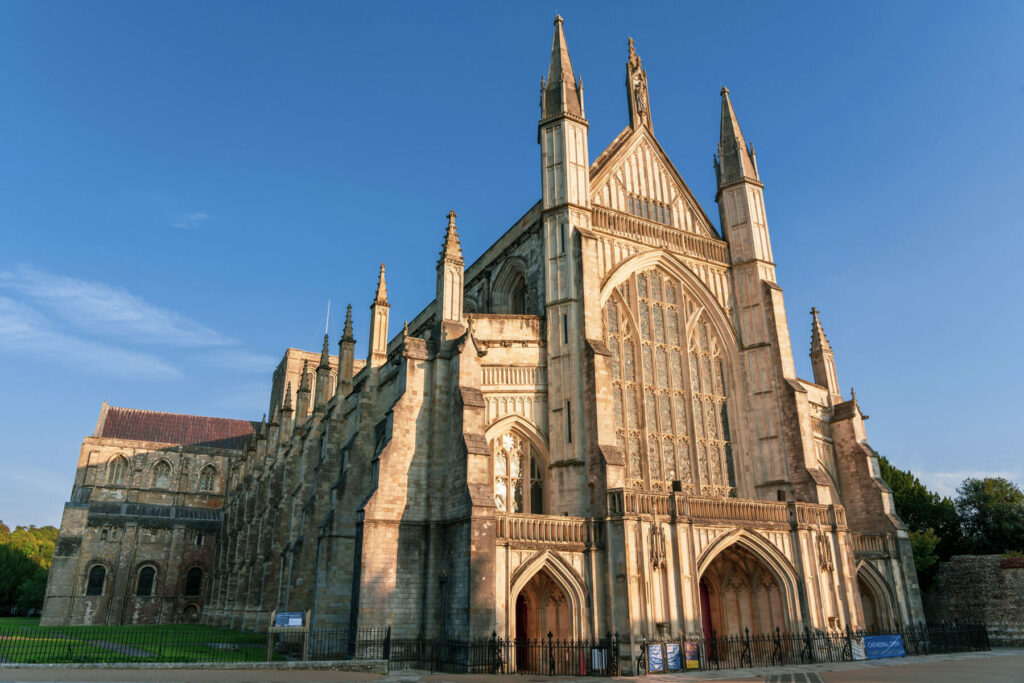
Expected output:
(981, 587)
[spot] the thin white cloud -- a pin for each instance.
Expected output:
(109, 311)
(191, 221)
(946, 483)
(25, 331)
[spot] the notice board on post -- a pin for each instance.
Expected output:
(283, 624)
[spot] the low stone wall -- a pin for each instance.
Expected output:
(986, 588)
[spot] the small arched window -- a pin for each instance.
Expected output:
(162, 475)
(206, 478)
(517, 295)
(194, 581)
(144, 587)
(117, 469)
(536, 488)
(97, 577)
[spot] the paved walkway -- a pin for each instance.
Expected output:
(1004, 665)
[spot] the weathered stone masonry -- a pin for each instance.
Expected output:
(594, 427)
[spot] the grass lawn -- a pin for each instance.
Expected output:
(25, 641)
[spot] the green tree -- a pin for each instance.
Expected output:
(32, 591)
(923, 510)
(15, 569)
(34, 542)
(991, 514)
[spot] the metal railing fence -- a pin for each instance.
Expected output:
(183, 644)
(776, 649)
(494, 655)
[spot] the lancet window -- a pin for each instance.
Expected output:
(518, 476)
(116, 471)
(161, 475)
(669, 387)
(206, 478)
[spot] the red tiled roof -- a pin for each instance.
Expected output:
(185, 430)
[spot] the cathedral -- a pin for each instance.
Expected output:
(594, 427)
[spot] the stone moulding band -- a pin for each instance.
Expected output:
(661, 236)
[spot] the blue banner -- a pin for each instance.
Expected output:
(654, 658)
(673, 662)
(877, 647)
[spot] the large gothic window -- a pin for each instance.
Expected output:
(161, 475)
(206, 478)
(116, 471)
(518, 476)
(669, 387)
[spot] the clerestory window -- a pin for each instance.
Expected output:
(162, 475)
(117, 470)
(206, 478)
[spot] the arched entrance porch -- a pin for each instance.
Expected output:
(547, 599)
(746, 583)
(875, 600)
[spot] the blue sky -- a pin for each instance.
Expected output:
(184, 185)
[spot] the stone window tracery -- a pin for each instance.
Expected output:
(116, 471)
(518, 476)
(206, 478)
(671, 417)
(161, 475)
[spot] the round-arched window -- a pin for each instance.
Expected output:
(144, 586)
(194, 581)
(97, 577)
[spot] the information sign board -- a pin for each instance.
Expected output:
(288, 619)
(877, 647)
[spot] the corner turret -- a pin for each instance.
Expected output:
(379, 312)
(822, 359)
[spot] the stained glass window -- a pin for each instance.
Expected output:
(679, 389)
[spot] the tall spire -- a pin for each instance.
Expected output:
(636, 90)
(735, 161)
(346, 334)
(451, 273)
(451, 248)
(823, 361)
(323, 377)
(382, 288)
(287, 415)
(819, 342)
(302, 396)
(346, 355)
(288, 399)
(561, 95)
(379, 323)
(325, 354)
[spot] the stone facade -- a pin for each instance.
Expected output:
(594, 427)
(137, 537)
(987, 588)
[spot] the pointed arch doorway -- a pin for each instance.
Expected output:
(740, 589)
(547, 606)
